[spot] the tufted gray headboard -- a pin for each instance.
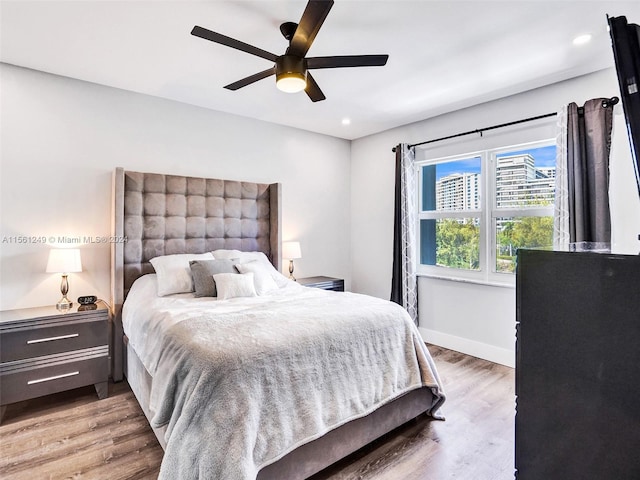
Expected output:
(167, 214)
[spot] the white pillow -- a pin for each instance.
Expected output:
(246, 257)
(231, 285)
(261, 276)
(222, 254)
(174, 272)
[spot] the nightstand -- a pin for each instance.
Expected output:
(43, 351)
(326, 283)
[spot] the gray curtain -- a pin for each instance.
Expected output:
(588, 147)
(404, 286)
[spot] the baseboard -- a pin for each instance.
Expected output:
(485, 351)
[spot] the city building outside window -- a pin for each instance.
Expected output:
(476, 210)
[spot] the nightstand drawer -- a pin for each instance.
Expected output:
(38, 341)
(56, 373)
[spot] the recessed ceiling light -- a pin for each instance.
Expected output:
(582, 39)
(346, 121)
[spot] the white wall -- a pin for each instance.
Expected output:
(62, 138)
(475, 319)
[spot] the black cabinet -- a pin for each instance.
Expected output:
(326, 283)
(577, 366)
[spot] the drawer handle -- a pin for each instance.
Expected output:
(50, 339)
(55, 377)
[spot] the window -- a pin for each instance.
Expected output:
(477, 209)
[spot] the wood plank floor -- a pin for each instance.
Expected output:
(75, 435)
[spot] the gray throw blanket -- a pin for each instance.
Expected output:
(240, 390)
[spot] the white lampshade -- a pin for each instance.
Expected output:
(64, 260)
(291, 250)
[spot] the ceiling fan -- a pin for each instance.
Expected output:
(292, 68)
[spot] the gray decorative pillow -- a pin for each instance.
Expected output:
(203, 272)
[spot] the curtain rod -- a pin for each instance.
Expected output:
(605, 103)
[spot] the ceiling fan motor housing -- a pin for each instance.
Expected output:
(288, 66)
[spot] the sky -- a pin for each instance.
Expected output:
(544, 157)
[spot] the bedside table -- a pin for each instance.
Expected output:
(326, 283)
(43, 351)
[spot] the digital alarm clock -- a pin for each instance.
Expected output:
(87, 300)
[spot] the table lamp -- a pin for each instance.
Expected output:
(291, 250)
(64, 261)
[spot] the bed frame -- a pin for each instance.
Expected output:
(166, 214)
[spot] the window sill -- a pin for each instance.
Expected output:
(475, 281)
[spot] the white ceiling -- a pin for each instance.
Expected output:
(443, 55)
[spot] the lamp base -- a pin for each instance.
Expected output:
(64, 304)
(291, 277)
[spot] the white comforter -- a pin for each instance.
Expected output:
(242, 382)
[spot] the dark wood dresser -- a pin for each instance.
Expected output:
(44, 351)
(577, 366)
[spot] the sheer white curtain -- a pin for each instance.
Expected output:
(561, 236)
(404, 286)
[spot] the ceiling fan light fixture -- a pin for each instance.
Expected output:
(291, 74)
(291, 83)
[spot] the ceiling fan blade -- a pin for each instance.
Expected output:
(347, 61)
(313, 90)
(308, 27)
(232, 42)
(251, 79)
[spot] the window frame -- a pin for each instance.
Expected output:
(487, 215)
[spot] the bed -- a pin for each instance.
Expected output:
(263, 386)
